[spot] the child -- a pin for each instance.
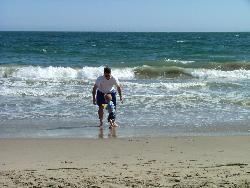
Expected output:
(111, 109)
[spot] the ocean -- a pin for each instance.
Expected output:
(173, 83)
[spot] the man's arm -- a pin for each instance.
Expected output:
(94, 94)
(119, 89)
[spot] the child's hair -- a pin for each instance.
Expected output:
(108, 97)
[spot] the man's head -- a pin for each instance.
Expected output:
(108, 97)
(107, 73)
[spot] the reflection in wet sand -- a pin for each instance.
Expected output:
(111, 134)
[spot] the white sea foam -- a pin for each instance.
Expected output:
(93, 72)
(43, 92)
(46, 73)
(124, 73)
(164, 85)
(180, 41)
(178, 61)
(37, 72)
(214, 74)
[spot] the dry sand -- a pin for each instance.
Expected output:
(126, 162)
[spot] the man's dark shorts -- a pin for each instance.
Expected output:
(100, 98)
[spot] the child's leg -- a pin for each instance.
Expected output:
(110, 123)
(114, 123)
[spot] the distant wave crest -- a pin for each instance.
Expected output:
(228, 66)
(150, 72)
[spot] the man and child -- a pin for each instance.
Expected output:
(104, 95)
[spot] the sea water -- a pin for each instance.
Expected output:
(173, 83)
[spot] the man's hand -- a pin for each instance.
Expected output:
(94, 93)
(94, 101)
(120, 93)
(121, 99)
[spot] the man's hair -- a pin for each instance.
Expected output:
(107, 70)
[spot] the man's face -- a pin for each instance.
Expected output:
(107, 75)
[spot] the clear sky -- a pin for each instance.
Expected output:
(125, 15)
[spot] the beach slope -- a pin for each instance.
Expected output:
(126, 162)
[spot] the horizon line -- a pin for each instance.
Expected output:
(93, 31)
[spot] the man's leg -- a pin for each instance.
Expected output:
(100, 113)
(100, 101)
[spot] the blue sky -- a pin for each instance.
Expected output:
(125, 15)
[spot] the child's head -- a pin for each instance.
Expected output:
(108, 97)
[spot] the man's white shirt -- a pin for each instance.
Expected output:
(106, 86)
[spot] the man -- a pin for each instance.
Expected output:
(104, 85)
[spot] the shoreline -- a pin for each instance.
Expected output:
(158, 137)
(193, 161)
(54, 129)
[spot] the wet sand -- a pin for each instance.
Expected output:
(126, 162)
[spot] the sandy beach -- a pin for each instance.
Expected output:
(126, 162)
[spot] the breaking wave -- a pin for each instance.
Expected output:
(128, 73)
(61, 73)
